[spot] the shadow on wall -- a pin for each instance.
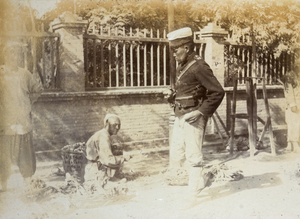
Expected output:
(66, 118)
(277, 114)
(280, 138)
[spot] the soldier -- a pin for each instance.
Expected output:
(196, 97)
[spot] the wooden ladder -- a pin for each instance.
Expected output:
(251, 116)
(216, 117)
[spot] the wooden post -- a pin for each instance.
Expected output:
(249, 92)
(172, 58)
(34, 43)
(172, 72)
(218, 129)
(254, 107)
(232, 116)
(254, 61)
(269, 123)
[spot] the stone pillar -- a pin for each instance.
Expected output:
(70, 27)
(214, 50)
(214, 37)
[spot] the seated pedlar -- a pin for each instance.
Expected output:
(103, 162)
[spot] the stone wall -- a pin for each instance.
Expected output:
(66, 118)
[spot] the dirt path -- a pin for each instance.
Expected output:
(270, 189)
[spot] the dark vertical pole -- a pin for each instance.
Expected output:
(85, 54)
(172, 76)
(246, 64)
(102, 65)
(232, 116)
(58, 63)
(254, 112)
(264, 65)
(94, 64)
(272, 68)
(44, 61)
(171, 28)
(254, 64)
(253, 97)
(268, 122)
(281, 67)
(52, 59)
(249, 92)
(269, 68)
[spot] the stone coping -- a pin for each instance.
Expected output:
(103, 94)
(259, 87)
(112, 93)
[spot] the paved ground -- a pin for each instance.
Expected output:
(270, 189)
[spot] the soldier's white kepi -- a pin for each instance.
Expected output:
(181, 36)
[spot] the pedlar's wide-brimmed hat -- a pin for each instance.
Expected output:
(180, 37)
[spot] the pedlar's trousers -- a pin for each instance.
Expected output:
(96, 175)
(293, 125)
(16, 149)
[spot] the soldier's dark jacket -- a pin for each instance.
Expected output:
(193, 74)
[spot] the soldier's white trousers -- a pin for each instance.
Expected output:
(186, 142)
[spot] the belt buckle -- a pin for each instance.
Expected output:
(180, 107)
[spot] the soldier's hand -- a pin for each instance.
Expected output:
(294, 109)
(192, 116)
(169, 94)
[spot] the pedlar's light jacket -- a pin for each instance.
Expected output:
(18, 90)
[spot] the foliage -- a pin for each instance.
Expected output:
(274, 24)
(81, 8)
(15, 16)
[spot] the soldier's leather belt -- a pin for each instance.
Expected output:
(185, 102)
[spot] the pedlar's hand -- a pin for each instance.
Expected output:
(127, 157)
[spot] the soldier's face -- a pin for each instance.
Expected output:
(180, 53)
(114, 125)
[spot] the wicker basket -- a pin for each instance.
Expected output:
(74, 160)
